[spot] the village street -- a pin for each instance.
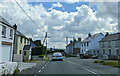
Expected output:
(73, 66)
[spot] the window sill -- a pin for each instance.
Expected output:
(3, 37)
(10, 38)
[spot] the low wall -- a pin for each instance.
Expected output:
(8, 68)
(18, 58)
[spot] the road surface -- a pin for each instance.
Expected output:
(76, 66)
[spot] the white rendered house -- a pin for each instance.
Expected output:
(6, 41)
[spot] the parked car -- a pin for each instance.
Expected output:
(94, 56)
(57, 56)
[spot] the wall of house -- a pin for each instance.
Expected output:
(8, 49)
(108, 45)
(95, 42)
(93, 45)
(67, 49)
(20, 46)
(0, 43)
(77, 46)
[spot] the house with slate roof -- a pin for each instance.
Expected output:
(28, 50)
(6, 41)
(90, 45)
(20, 41)
(109, 45)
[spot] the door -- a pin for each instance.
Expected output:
(6, 53)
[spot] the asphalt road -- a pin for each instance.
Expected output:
(76, 66)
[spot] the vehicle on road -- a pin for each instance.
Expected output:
(57, 56)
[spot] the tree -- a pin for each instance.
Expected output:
(38, 42)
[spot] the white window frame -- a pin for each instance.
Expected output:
(4, 36)
(11, 33)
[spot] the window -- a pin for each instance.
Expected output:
(21, 39)
(87, 44)
(117, 52)
(3, 31)
(11, 33)
(24, 52)
(20, 52)
(28, 41)
(102, 44)
(98, 51)
(84, 44)
(25, 41)
(103, 51)
(109, 51)
(82, 50)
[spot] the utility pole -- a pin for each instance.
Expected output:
(46, 43)
(73, 43)
(66, 41)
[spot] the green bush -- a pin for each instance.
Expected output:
(16, 71)
(39, 50)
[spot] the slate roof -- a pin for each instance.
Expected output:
(88, 39)
(32, 43)
(2, 20)
(111, 37)
(26, 47)
(20, 34)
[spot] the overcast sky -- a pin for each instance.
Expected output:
(61, 19)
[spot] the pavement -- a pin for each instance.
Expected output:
(72, 66)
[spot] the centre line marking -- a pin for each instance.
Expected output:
(42, 67)
(90, 71)
(39, 70)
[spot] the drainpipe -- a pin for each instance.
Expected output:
(15, 29)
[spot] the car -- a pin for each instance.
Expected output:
(57, 56)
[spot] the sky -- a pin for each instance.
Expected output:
(61, 19)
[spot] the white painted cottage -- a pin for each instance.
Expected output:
(20, 41)
(69, 48)
(110, 45)
(6, 41)
(90, 45)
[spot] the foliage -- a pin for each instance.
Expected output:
(59, 50)
(16, 71)
(109, 63)
(38, 42)
(39, 50)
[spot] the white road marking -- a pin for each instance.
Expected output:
(35, 75)
(45, 65)
(71, 62)
(90, 71)
(39, 70)
(42, 67)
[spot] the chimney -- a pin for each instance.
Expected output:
(70, 41)
(106, 34)
(75, 40)
(30, 39)
(15, 26)
(89, 35)
(79, 39)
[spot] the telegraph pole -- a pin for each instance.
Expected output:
(66, 41)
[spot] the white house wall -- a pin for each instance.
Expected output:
(0, 42)
(112, 45)
(7, 40)
(95, 42)
(93, 45)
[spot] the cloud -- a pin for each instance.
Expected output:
(55, 5)
(58, 24)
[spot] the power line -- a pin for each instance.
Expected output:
(26, 13)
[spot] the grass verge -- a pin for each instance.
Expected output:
(35, 61)
(70, 56)
(113, 63)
